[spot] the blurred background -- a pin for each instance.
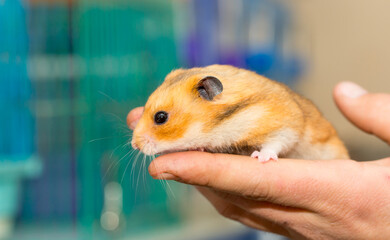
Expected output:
(71, 70)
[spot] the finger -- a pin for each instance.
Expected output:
(294, 183)
(370, 112)
(291, 219)
(269, 211)
(134, 116)
(385, 162)
(233, 212)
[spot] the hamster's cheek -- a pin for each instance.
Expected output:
(174, 129)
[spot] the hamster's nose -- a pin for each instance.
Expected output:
(134, 145)
(134, 116)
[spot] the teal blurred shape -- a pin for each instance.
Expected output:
(127, 49)
(12, 172)
(19, 168)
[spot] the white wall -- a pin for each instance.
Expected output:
(345, 40)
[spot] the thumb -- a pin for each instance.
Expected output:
(369, 111)
(134, 116)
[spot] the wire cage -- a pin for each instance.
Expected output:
(98, 61)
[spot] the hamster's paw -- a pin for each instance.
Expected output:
(265, 155)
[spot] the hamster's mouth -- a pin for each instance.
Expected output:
(200, 149)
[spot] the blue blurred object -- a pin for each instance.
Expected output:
(247, 33)
(17, 125)
(15, 94)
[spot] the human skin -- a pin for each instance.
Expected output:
(300, 199)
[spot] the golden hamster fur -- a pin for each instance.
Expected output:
(225, 109)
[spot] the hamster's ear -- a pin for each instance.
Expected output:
(209, 87)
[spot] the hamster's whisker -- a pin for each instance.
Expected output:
(113, 151)
(164, 182)
(122, 145)
(143, 169)
(122, 125)
(146, 172)
(134, 167)
(115, 163)
(127, 165)
(125, 129)
(160, 180)
(106, 95)
(140, 170)
(104, 138)
(125, 144)
(118, 119)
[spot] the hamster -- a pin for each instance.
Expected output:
(224, 109)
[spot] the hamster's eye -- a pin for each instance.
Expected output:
(160, 117)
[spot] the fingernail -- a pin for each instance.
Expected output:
(166, 176)
(352, 90)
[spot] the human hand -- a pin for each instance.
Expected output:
(300, 199)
